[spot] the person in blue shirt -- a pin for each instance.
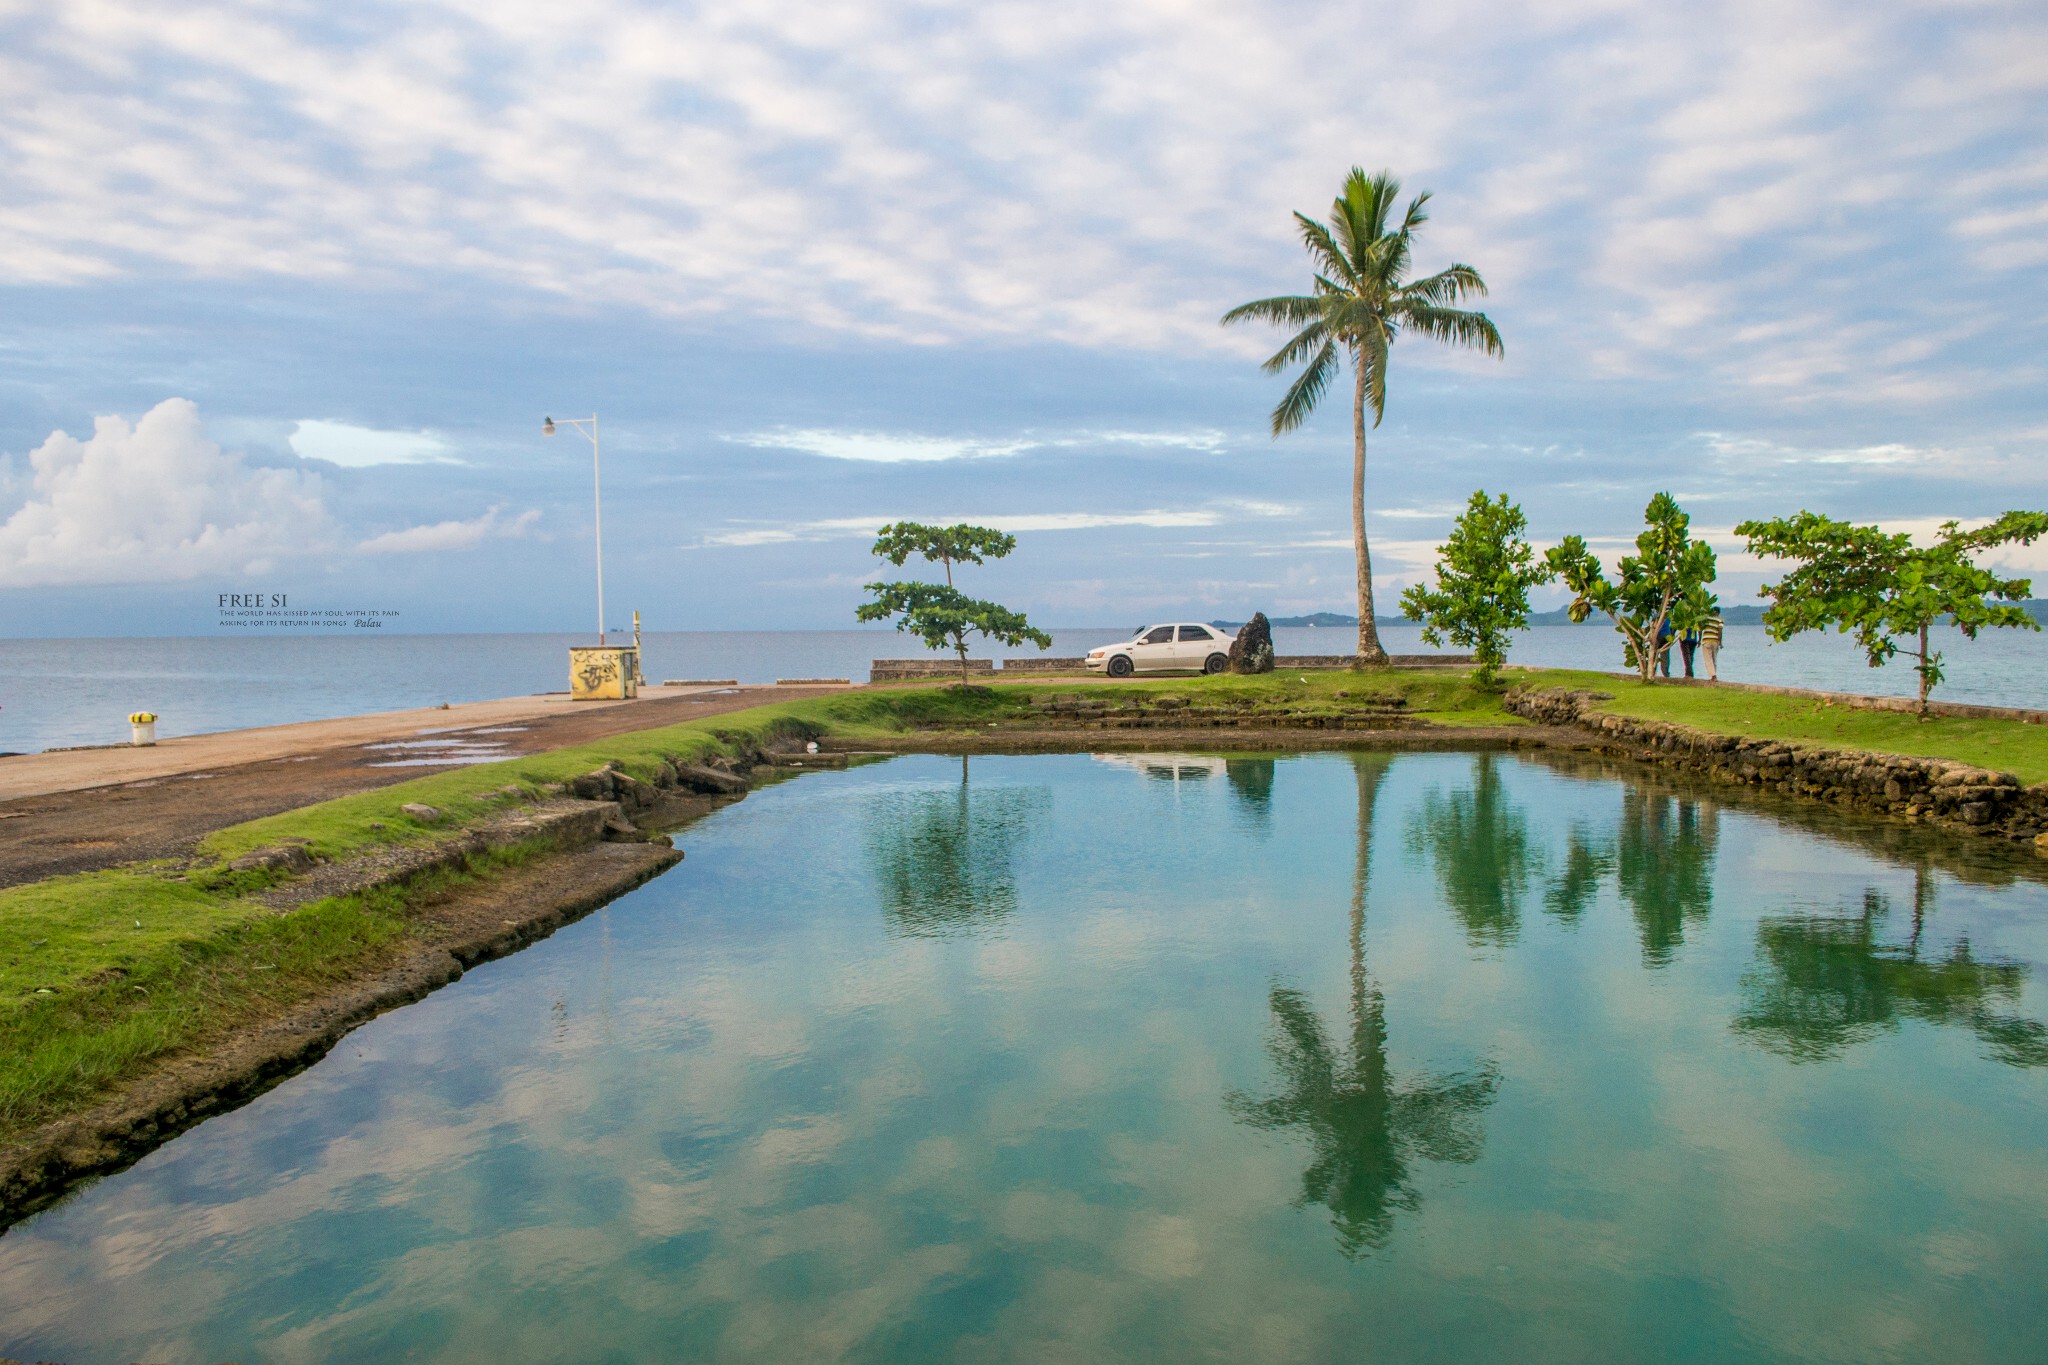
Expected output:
(1664, 647)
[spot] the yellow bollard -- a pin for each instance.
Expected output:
(142, 727)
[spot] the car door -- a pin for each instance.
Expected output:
(1195, 646)
(1154, 650)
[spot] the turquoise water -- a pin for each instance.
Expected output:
(1432, 1056)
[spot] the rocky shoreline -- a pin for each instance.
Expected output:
(1940, 792)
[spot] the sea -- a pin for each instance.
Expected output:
(57, 693)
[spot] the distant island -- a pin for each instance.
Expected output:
(1741, 615)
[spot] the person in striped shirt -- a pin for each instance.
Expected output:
(1710, 644)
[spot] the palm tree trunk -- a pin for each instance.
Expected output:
(1369, 649)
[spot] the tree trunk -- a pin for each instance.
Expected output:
(1923, 668)
(960, 643)
(1370, 651)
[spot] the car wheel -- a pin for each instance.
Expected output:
(1120, 666)
(1217, 663)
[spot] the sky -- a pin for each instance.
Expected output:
(286, 290)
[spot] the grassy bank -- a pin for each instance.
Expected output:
(2001, 745)
(103, 973)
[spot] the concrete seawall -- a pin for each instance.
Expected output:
(1026, 667)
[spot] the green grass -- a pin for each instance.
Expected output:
(2002, 745)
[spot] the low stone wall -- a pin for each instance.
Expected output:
(1925, 790)
(1312, 662)
(909, 670)
(1034, 663)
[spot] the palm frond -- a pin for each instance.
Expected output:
(1455, 326)
(1328, 253)
(1371, 357)
(1286, 310)
(1298, 347)
(1446, 286)
(1306, 391)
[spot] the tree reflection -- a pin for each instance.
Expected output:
(1585, 866)
(1478, 841)
(1823, 983)
(1251, 782)
(1364, 1125)
(946, 860)
(1665, 867)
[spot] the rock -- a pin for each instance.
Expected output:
(1252, 650)
(617, 827)
(292, 858)
(593, 786)
(634, 792)
(698, 778)
(426, 815)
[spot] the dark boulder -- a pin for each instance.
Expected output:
(1252, 650)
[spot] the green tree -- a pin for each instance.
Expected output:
(1363, 301)
(1364, 1123)
(1662, 583)
(1483, 576)
(938, 613)
(1883, 587)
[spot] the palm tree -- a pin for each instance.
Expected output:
(1363, 300)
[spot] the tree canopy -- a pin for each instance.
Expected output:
(1881, 587)
(1483, 576)
(1662, 584)
(938, 613)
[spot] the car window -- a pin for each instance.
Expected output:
(1195, 633)
(1163, 635)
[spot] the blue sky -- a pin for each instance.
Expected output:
(285, 291)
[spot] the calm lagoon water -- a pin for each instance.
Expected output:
(61, 692)
(1141, 1057)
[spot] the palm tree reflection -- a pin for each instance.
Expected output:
(1823, 983)
(1364, 1124)
(1665, 867)
(1478, 841)
(946, 860)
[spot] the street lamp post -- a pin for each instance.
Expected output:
(589, 428)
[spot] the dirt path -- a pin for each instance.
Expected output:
(97, 808)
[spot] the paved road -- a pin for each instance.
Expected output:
(73, 812)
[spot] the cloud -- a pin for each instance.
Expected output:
(451, 535)
(851, 528)
(889, 448)
(356, 447)
(155, 502)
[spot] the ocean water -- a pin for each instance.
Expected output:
(1152, 1057)
(67, 692)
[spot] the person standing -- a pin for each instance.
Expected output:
(1710, 645)
(1663, 664)
(1687, 643)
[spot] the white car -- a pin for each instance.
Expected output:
(1183, 647)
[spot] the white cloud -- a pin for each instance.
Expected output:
(356, 447)
(154, 502)
(451, 535)
(847, 528)
(905, 448)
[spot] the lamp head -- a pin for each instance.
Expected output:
(547, 428)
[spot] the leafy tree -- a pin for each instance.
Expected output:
(1662, 583)
(1882, 586)
(938, 613)
(1363, 301)
(1483, 576)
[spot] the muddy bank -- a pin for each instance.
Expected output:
(97, 826)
